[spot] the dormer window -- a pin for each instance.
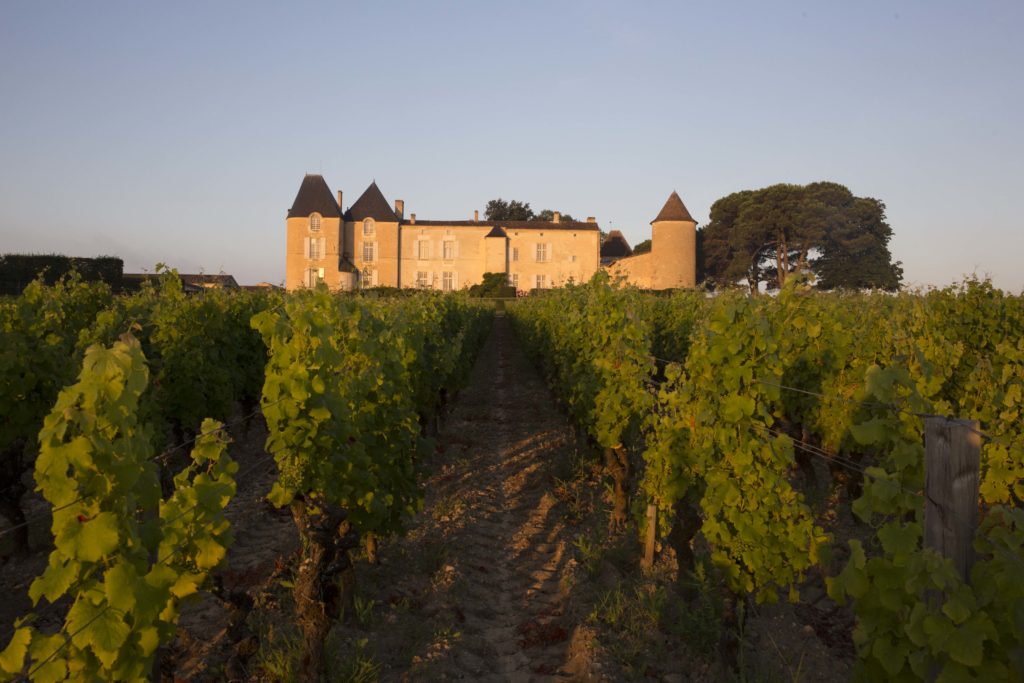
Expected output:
(368, 228)
(314, 222)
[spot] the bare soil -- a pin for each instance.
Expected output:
(480, 587)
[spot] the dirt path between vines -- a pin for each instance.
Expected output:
(495, 600)
(511, 556)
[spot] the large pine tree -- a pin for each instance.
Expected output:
(764, 235)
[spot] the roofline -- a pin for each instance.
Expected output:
(506, 225)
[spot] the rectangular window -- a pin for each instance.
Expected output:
(515, 253)
(316, 250)
(423, 250)
(369, 252)
(448, 281)
(513, 280)
(574, 258)
(449, 250)
(368, 227)
(422, 279)
(542, 253)
(541, 281)
(312, 277)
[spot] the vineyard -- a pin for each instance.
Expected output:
(759, 447)
(723, 406)
(120, 388)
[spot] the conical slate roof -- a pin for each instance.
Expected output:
(674, 210)
(496, 231)
(314, 197)
(615, 246)
(371, 204)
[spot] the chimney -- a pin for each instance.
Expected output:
(400, 208)
(341, 207)
(476, 216)
(412, 218)
(591, 219)
(558, 217)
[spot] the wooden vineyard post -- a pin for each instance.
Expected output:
(652, 529)
(952, 469)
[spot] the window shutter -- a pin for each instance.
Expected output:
(548, 254)
(305, 247)
(456, 248)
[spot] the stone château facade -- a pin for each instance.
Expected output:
(373, 243)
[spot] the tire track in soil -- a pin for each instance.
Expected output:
(512, 554)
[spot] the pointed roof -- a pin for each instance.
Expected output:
(496, 231)
(314, 197)
(371, 204)
(345, 264)
(615, 246)
(674, 210)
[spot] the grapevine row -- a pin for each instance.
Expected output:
(763, 386)
(349, 382)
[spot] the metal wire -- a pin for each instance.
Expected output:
(160, 458)
(836, 459)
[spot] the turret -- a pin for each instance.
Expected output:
(313, 237)
(496, 251)
(674, 246)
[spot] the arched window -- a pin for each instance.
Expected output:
(314, 222)
(368, 227)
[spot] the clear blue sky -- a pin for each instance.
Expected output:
(179, 132)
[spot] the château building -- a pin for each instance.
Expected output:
(373, 243)
(672, 261)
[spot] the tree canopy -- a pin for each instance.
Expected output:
(642, 247)
(549, 215)
(515, 210)
(493, 285)
(822, 228)
(501, 210)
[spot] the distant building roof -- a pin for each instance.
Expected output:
(511, 225)
(314, 197)
(615, 246)
(262, 287)
(221, 281)
(371, 204)
(674, 210)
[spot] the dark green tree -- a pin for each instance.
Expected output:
(822, 228)
(493, 285)
(501, 210)
(642, 247)
(549, 215)
(856, 254)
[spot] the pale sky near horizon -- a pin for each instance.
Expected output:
(179, 132)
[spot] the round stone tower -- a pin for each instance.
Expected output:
(674, 246)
